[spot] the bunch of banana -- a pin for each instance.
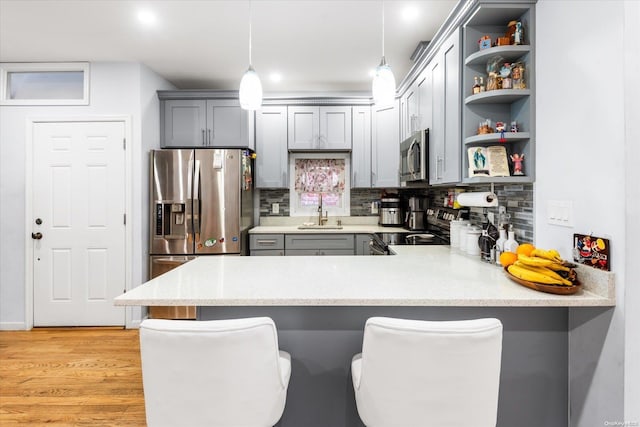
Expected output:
(545, 267)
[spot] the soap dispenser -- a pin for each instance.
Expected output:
(500, 244)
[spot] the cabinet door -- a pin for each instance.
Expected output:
(303, 124)
(228, 124)
(361, 150)
(362, 244)
(385, 146)
(271, 148)
(424, 101)
(452, 119)
(184, 123)
(335, 128)
(412, 124)
(444, 134)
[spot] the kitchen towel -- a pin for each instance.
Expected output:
(483, 199)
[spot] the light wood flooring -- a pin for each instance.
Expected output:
(71, 376)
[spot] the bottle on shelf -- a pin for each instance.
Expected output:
(476, 85)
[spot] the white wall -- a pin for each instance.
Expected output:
(632, 169)
(580, 150)
(116, 89)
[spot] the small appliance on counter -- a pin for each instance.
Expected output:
(416, 207)
(390, 213)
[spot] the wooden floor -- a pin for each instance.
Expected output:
(71, 376)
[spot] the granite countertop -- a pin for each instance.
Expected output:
(415, 276)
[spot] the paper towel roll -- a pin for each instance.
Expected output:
(484, 200)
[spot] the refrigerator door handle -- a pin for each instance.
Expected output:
(196, 201)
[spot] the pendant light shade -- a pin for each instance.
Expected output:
(383, 88)
(384, 85)
(250, 87)
(250, 90)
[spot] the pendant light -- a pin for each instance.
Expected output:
(384, 83)
(250, 86)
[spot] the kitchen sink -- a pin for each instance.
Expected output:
(319, 227)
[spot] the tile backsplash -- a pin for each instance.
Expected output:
(517, 198)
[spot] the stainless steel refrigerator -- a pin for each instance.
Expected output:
(201, 204)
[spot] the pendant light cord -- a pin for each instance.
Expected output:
(383, 28)
(250, 33)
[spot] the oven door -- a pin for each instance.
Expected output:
(413, 157)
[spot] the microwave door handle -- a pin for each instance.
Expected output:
(411, 158)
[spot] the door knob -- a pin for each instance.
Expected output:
(36, 236)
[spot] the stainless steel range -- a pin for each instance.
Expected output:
(437, 231)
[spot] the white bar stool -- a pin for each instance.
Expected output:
(213, 373)
(422, 373)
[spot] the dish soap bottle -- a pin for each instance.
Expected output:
(511, 245)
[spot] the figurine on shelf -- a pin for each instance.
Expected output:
(501, 127)
(514, 127)
(517, 160)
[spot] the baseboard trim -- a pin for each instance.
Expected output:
(13, 326)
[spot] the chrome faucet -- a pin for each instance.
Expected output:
(322, 219)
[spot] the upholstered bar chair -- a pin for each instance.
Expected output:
(219, 373)
(414, 373)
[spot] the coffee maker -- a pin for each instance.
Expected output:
(416, 207)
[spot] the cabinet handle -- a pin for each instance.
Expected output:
(203, 138)
(266, 242)
(209, 143)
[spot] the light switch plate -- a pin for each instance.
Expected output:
(275, 208)
(560, 212)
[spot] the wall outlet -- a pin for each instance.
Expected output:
(275, 208)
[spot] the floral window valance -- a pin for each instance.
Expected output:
(320, 175)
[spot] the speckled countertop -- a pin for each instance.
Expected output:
(415, 276)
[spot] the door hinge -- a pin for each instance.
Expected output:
(124, 219)
(124, 143)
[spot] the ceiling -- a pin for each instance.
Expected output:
(322, 45)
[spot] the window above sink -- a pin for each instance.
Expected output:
(315, 175)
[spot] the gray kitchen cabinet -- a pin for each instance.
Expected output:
(266, 244)
(361, 151)
(444, 134)
(205, 123)
(319, 244)
(409, 112)
(362, 244)
(325, 128)
(272, 168)
(385, 146)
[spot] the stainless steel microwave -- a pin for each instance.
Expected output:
(414, 162)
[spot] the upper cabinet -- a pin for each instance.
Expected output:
(442, 80)
(385, 146)
(205, 123)
(271, 147)
(325, 128)
(361, 151)
(505, 101)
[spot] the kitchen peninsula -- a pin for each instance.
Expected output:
(320, 305)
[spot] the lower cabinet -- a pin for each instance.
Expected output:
(309, 244)
(362, 244)
(266, 244)
(319, 244)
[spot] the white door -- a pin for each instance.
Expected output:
(78, 209)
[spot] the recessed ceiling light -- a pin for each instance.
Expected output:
(146, 17)
(410, 13)
(275, 77)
